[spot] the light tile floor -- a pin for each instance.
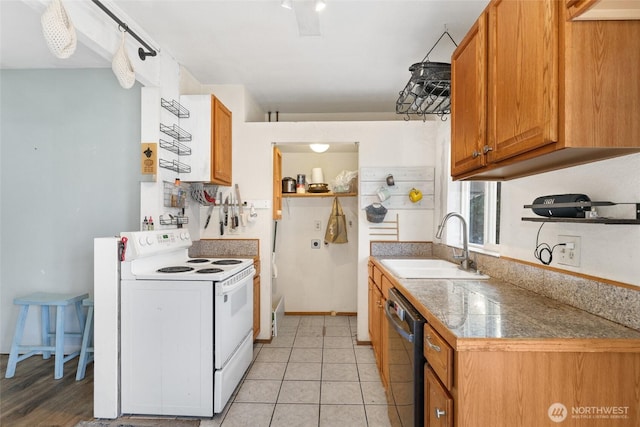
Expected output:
(312, 374)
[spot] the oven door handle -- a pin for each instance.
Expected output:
(229, 289)
(407, 336)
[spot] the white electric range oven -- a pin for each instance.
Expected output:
(186, 326)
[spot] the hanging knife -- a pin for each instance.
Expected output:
(226, 210)
(206, 224)
(221, 216)
(233, 213)
(240, 209)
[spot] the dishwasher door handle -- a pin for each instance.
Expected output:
(407, 336)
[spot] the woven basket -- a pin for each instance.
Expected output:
(121, 66)
(58, 30)
(376, 212)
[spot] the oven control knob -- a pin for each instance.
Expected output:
(144, 241)
(184, 236)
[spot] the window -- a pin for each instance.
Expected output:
(480, 204)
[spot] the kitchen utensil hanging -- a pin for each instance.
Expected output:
(428, 90)
(58, 30)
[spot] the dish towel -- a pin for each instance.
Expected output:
(337, 225)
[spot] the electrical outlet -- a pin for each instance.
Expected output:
(317, 225)
(315, 243)
(569, 254)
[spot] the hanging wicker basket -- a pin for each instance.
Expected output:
(58, 30)
(121, 66)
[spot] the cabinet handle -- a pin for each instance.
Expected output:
(475, 154)
(432, 345)
(486, 149)
(440, 413)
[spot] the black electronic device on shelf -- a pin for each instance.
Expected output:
(574, 208)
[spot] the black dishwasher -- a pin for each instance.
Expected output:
(406, 362)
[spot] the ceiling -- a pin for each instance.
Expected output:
(356, 63)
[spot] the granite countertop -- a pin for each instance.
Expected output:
(492, 309)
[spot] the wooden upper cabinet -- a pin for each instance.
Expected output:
(210, 124)
(469, 99)
(523, 77)
(603, 9)
(559, 93)
(221, 153)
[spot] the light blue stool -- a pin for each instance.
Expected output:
(86, 352)
(46, 300)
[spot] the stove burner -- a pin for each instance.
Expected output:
(198, 260)
(227, 262)
(209, 270)
(177, 269)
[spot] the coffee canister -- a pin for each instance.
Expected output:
(300, 183)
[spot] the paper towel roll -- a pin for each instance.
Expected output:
(317, 177)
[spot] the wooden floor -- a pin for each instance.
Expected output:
(33, 398)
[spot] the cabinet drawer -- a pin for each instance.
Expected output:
(439, 355)
(438, 405)
(377, 276)
(386, 285)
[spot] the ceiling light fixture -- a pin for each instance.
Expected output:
(319, 148)
(320, 5)
(287, 4)
(429, 88)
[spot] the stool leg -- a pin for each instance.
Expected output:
(17, 339)
(81, 318)
(59, 334)
(86, 337)
(46, 330)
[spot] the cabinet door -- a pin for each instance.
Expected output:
(522, 77)
(374, 319)
(469, 100)
(603, 9)
(437, 402)
(277, 183)
(221, 143)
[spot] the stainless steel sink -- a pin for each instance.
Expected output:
(421, 268)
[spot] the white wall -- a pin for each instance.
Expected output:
(70, 171)
(608, 251)
(381, 144)
(323, 279)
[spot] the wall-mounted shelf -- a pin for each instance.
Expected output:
(329, 194)
(611, 221)
(176, 132)
(589, 204)
(175, 108)
(174, 220)
(175, 147)
(175, 166)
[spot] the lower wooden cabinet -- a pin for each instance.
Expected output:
(438, 405)
(378, 326)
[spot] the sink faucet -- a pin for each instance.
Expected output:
(465, 262)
